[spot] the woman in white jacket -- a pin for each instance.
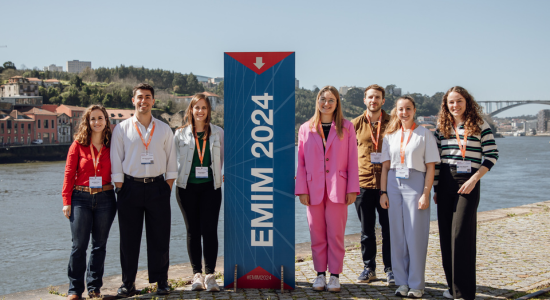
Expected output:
(199, 187)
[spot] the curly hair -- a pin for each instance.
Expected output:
(395, 123)
(84, 134)
(472, 114)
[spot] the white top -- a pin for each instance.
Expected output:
(421, 149)
(127, 147)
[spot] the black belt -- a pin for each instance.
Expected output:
(145, 179)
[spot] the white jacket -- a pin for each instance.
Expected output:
(185, 147)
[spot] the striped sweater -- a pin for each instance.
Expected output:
(477, 146)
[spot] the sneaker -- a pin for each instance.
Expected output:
(198, 282)
(390, 279)
(414, 293)
(211, 284)
(447, 294)
(320, 283)
(402, 291)
(333, 284)
(367, 275)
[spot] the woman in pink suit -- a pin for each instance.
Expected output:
(327, 182)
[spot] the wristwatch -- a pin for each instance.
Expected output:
(383, 192)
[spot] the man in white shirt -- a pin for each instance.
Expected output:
(142, 151)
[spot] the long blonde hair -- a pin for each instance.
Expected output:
(337, 115)
(395, 123)
(84, 133)
(472, 114)
(188, 119)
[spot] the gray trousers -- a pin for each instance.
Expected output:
(409, 229)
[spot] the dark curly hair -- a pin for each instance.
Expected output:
(472, 115)
(84, 132)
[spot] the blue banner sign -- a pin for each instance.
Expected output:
(259, 169)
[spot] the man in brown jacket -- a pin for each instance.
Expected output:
(369, 129)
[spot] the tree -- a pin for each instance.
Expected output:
(168, 106)
(76, 82)
(108, 100)
(355, 96)
(71, 97)
(179, 83)
(9, 65)
(219, 89)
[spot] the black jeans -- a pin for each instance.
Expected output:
(457, 218)
(90, 214)
(200, 205)
(367, 203)
(136, 200)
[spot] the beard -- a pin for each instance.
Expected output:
(375, 110)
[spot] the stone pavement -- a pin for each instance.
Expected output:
(512, 255)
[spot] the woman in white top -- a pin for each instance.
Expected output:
(408, 167)
(199, 151)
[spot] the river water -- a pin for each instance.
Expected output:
(35, 237)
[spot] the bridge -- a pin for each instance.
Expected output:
(502, 105)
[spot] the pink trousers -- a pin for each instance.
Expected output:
(327, 227)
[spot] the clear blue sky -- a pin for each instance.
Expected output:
(499, 50)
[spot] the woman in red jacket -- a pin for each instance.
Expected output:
(89, 200)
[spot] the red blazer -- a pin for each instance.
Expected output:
(336, 168)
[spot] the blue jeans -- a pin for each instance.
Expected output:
(89, 214)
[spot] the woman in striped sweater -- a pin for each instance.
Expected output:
(465, 158)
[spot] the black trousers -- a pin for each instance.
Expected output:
(135, 201)
(457, 218)
(366, 205)
(200, 206)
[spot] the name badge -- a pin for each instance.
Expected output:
(376, 158)
(402, 172)
(464, 166)
(95, 182)
(201, 172)
(147, 159)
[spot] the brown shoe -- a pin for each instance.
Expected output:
(74, 297)
(92, 295)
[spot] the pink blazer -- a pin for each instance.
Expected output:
(337, 168)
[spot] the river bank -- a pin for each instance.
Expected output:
(505, 236)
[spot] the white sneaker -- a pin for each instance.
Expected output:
(402, 290)
(333, 284)
(198, 282)
(320, 283)
(414, 293)
(211, 284)
(447, 294)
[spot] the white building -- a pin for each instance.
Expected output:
(215, 80)
(77, 66)
(52, 68)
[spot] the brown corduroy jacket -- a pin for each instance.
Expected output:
(369, 174)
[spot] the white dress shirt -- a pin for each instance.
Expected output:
(127, 147)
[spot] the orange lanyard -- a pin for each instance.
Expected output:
(402, 148)
(462, 146)
(375, 140)
(201, 154)
(322, 133)
(95, 162)
(150, 136)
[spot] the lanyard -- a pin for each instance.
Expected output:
(402, 148)
(150, 136)
(201, 153)
(322, 133)
(95, 162)
(462, 146)
(375, 141)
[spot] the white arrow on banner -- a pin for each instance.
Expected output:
(259, 64)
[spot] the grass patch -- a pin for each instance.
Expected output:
(55, 291)
(511, 215)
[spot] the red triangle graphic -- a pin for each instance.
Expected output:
(259, 62)
(259, 278)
